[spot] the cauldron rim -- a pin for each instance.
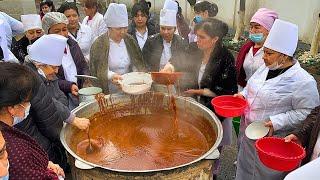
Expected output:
(210, 151)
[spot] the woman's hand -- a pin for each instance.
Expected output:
(56, 169)
(168, 68)
(293, 138)
(270, 125)
(194, 92)
(239, 95)
(115, 79)
(74, 90)
(81, 123)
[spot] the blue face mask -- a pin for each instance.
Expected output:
(256, 37)
(17, 120)
(197, 19)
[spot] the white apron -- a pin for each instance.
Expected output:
(286, 100)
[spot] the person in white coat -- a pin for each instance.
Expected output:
(93, 18)
(12, 27)
(6, 54)
(249, 58)
(79, 32)
(280, 93)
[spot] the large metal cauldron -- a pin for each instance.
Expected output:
(199, 168)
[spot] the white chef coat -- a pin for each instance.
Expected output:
(118, 62)
(166, 54)
(286, 100)
(97, 24)
(309, 171)
(84, 39)
(12, 27)
(69, 67)
(142, 38)
(252, 62)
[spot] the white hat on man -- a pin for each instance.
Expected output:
(168, 17)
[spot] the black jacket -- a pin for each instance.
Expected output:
(46, 117)
(19, 48)
(153, 48)
(132, 30)
(81, 65)
(308, 131)
(219, 75)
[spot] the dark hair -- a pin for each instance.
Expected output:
(1, 54)
(48, 3)
(212, 8)
(139, 7)
(90, 3)
(17, 84)
(68, 5)
(213, 27)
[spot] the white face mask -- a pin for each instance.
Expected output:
(275, 65)
(17, 120)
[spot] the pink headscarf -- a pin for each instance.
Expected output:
(265, 17)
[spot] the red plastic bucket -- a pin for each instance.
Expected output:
(229, 106)
(279, 155)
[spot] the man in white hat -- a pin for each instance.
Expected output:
(280, 94)
(49, 105)
(33, 30)
(165, 46)
(115, 52)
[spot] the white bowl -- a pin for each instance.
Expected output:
(136, 83)
(256, 130)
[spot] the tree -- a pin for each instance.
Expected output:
(240, 23)
(316, 39)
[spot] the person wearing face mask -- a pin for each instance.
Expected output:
(33, 30)
(79, 32)
(250, 55)
(115, 52)
(73, 62)
(26, 157)
(202, 10)
(280, 94)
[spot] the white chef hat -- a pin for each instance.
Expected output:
(168, 17)
(116, 15)
(31, 21)
(170, 4)
(283, 37)
(48, 49)
(3, 41)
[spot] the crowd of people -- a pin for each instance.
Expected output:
(39, 84)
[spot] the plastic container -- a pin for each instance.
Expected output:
(229, 106)
(279, 155)
(136, 83)
(166, 78)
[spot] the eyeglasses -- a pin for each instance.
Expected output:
(24, 106)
